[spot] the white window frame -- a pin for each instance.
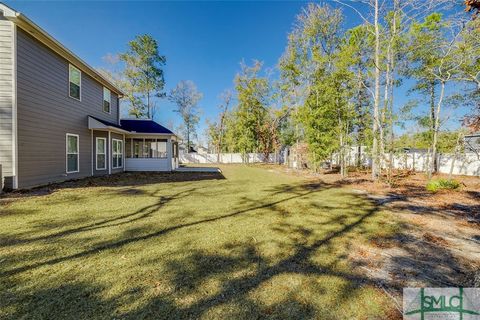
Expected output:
(78, 152)
(109, 101)
(70, 66)
(104, 153)
(121, 153)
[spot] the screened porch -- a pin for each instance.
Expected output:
(149, 153)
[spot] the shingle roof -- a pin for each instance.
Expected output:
(137, 126)
(143, 126)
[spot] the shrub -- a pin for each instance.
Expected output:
(442, 184)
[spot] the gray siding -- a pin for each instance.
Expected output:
(46, 114)
(6, 99)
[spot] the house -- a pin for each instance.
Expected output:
(472, 142)
(59, 117)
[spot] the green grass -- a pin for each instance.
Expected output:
(442, 184)
(254, 244)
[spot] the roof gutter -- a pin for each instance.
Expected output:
(41, 35)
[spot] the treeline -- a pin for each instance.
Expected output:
(254, 123)
(337, 87)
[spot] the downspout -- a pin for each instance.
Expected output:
(109, 153)
(123, 153)
(92, 151)
(15, 110)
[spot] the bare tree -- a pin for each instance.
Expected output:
(226, 98)
(186, 96)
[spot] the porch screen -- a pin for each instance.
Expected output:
(146, 148)
(137, 148)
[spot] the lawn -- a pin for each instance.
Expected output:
(249, 243)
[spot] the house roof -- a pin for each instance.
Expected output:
(130, 126)
(107, 123)
(44, 37)
(408, 149)
(473, 135)
(143, 126)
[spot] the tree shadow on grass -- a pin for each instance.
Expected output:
(162, 232)
(240, 270)
(84, 302)
(118, 220)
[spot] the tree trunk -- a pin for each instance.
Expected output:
(188, 138)
(436, 128)
(148, 105)
(375, 163)
(432, 119)
(390, 81)
(386, 102)
(219, 146)
(455, 155)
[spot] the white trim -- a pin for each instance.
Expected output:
(109, 102)
(80, 89)
(66, 152)
(104, 153)
(124, 155)
(91, 152)
(121, 153)
(109, 153)
(169, 153)
(150, 135)
(131, 148)
(14, 110)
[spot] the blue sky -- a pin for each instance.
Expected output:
(203, 41)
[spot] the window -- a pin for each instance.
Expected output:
(101, 153)
(117, 153)
(106, 100)
(72, 153)
(75, 80)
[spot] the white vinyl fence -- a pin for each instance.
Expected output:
(224, 158)
(465, 164)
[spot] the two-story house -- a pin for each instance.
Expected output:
(60, 118)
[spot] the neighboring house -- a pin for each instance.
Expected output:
(59, 117)
(202, 150)
(472, 142)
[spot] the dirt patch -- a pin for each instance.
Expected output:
(439, 242)
(408, 190)
(435, 239)
(125, 179)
